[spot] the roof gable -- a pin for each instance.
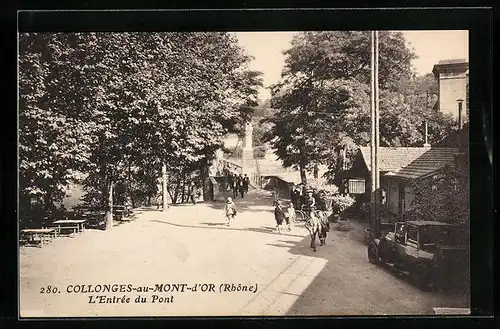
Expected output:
(393, 158)
(431, 160)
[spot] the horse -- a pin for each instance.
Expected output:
(317, 225)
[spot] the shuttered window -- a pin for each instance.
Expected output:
(356, 186)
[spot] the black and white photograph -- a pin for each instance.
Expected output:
(244, 173)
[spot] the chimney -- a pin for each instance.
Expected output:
(460, 102)
(426, 144)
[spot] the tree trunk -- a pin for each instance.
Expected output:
(183, 188)
(303, 177)
(130, 194)
(171, 195)
(164, 186)
(109, 213)
(48, 201)
(315, 172)
(177, 187)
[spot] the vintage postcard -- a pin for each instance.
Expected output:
(243, 173)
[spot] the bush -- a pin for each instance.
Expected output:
(341, 203)
(259, 151)
(323, 193)
(328, 191)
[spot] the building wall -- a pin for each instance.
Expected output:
(452, 86)
(409, 198)
(392, 196)
(393, 192)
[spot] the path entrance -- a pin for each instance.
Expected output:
(189, 245)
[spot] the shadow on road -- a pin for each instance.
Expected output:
(255, 201)
(222, 226)
(354, 286)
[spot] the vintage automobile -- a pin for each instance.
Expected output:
(434, 254)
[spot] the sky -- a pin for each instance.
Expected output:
(430, 47)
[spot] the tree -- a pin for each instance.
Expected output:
(51, 155)
(114, 101)
(323, 99)
(314, 119)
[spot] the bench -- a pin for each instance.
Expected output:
(44, 235)
(121, 211)
(76, 225)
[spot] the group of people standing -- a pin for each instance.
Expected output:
(301, 198)
(239, 184)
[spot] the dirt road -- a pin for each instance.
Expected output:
(271, 274)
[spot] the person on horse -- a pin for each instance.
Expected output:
(309, 205)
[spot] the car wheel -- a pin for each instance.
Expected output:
(373, 255)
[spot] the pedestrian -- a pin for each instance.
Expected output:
(295, 197)
(242, 188)
(240, 180)
(230, 210)
(279, 216)
(275, 194)
(246, 183)
(230, 180)
(234, 187)
(192, 192)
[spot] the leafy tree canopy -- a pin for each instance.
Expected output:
(323, 98)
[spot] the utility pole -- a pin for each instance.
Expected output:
(164, 186)
(374, 143)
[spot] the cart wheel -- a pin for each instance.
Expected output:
(373, 255)
(299, 216)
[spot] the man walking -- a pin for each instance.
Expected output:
(242, 188)
(279, 216)
(246, 183)
(230, 180)
(239, 185)
(234, 186)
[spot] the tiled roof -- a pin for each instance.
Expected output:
(430, 161)
(452, 61)
(427, 223)
(393, 158)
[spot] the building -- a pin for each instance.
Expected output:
(400, 194)
(391, 159)
(453, 76)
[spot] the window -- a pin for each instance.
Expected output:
(356, 186)
(412, 234)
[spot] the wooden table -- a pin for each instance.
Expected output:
(45, 234)
(78, 225)
(121, 211)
